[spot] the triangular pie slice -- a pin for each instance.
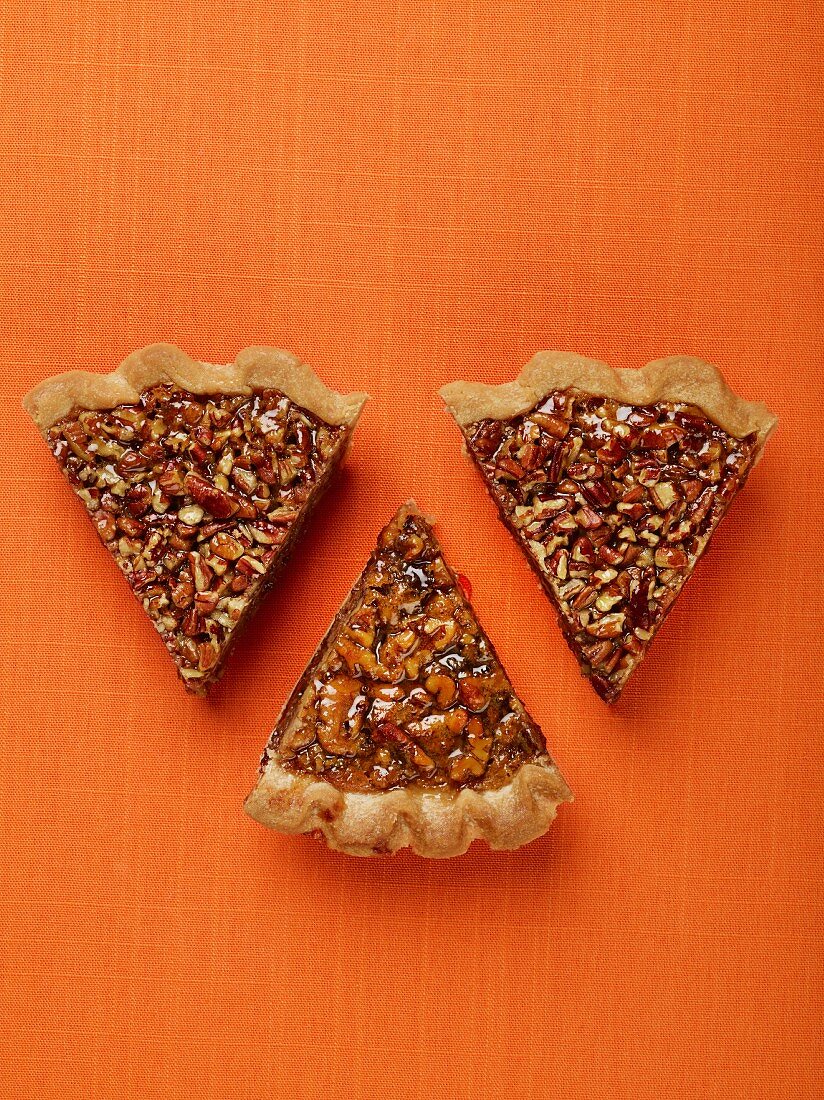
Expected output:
(613, 482)
(198, 479)
(404, 730)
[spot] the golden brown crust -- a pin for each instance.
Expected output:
(432, 824)
(256, 368)
(678, 379)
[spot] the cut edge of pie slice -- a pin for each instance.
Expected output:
(199, 479)
(404, 730)
(613, 482)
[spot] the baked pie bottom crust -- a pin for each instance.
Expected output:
(679, 379)
(255, 368)
(433, 824)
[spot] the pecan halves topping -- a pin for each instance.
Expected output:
(194, 496)
(614, 504)
(409, 691)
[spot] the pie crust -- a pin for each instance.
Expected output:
(255, 368)
(677, 379)
(432, 823)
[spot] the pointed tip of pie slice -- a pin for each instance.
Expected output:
(432, 826)
(405, 671)
(412, 508)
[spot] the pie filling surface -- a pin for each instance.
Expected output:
(614, 504)
(407, 691)
(195, 496)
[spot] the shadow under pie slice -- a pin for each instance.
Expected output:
(613, 482)
(404, 731)
(198, 479)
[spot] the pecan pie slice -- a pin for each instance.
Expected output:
(404, 731)
(198, 479)
(613, 482)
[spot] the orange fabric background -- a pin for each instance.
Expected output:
(404, 194)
